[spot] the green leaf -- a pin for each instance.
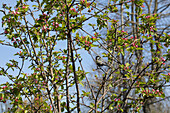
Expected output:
(34, 6)
(139, 48)
(1, 90)
(20, 106)
(1, 41)
(81, 83)
(127, 6)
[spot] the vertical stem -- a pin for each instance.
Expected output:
(123, 58)
(132, 18)
(72, 59)
(75, 76)
(67, 74)
(68, 60)
(103, 100)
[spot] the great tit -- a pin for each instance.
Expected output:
(100, 62)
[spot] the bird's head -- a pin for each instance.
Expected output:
(97, 58)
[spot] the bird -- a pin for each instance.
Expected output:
(100, 62)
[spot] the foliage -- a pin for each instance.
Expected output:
(127, 82)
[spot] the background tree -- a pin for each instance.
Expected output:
(57, 74)
(151, 8)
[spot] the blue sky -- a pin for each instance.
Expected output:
(7, 53)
